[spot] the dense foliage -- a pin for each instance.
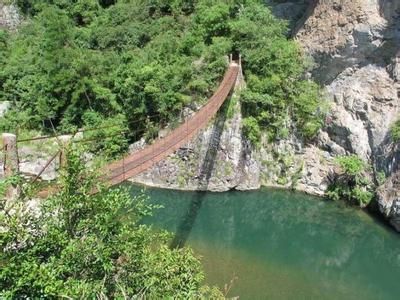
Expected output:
(351, 183)
(82, 246)
(276, 99)
(395, 131)
(142, 61)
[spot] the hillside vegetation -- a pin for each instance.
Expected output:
(138, 63)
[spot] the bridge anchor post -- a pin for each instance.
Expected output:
(64, 144)
(10, 166)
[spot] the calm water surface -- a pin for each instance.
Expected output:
(273, 244)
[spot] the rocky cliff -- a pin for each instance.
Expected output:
(356, 49)
(9, 16)
(354, 46)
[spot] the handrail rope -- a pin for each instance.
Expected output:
(115, 134)
(84, 130)
(99, 137)
(45, 166)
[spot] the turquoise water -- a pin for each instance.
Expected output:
(273, 244)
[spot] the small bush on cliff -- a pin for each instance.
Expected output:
(351, 183)
(251, 130)
(395, 131)
(83, 246)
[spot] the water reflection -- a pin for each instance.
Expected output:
(185, 226)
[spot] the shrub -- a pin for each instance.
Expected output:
(381, 178)
(395, 131)
(352, 165)
(351, 183)
(251, 130)
(85, 246)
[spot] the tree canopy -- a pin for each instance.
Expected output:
(148, 59)
(83, 246)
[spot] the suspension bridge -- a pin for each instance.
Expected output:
(133, 164)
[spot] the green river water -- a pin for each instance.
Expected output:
(273, 244)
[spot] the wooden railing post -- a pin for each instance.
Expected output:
(11, 166)
(64, 143)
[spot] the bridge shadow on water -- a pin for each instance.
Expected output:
(185, 226)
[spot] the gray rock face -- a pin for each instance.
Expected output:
(340, 34)
(32, 161)
(4, 107)
(365, 104)
(218, 159)
(389, 200)
(9, 16)
(291, 10)
(355, 45)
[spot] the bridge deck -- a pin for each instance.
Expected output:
(142, 160)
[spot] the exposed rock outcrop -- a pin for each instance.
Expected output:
(217, 159)
(9, 16)
(389, 200)
(355, 45)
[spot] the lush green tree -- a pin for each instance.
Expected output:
(78, 245)
(276, 95)
(395, 131)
